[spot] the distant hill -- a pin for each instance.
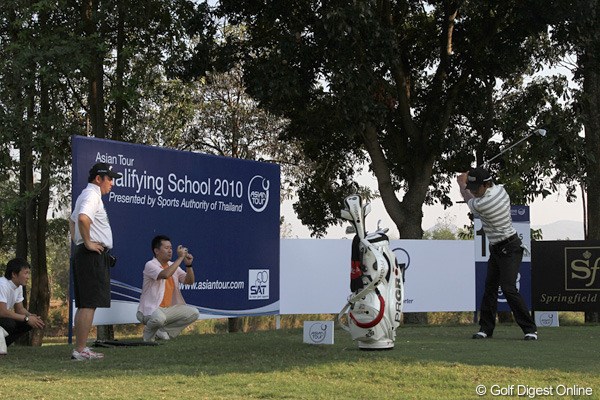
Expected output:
(561, 230)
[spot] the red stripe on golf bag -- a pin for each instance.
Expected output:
(366, 325)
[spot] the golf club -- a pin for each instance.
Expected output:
(537, 132)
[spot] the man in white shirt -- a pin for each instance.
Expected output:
(91, 233)
(162, 307)
(15, 320)
(491, 204)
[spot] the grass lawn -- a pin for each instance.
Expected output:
(428, 362)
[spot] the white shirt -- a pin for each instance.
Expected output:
(493, 208)
(153, 289)
(90, 203)
(10, 293)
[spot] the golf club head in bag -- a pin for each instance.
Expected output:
(374, 309)
(355, 212)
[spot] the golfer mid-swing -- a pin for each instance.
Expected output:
(491, 204)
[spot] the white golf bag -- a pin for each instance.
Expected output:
(374, 309)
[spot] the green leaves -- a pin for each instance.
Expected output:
(420, 74)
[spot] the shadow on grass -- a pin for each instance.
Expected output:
(569, 349)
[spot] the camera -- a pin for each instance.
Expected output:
(112, 260)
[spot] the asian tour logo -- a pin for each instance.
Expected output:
(258, 284)
(318, 332)
(546, 319)
(258, 193)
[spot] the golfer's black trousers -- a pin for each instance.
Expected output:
(502, 270)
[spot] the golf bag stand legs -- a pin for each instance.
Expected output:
(374, 309)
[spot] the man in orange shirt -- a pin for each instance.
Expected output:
(162, 307)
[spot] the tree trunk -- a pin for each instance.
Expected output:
(408, 213)
(105, 332)
(22, 249)
(20, 108)
(40, 285)
(416, 318)
(31, 202)
(233, 325)
(96, 113)
(119, 91)
(95, 72)
(26, 191)
(591, 122)
(20, 128)
(592, 317)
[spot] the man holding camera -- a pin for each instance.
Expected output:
(92, 235)
(162, 307)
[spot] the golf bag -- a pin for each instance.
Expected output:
(374, 309)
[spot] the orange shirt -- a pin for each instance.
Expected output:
(169, 289)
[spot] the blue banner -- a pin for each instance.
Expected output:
(224, 210)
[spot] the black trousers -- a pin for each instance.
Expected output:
(91, 278)
(502, 270)
(14, 328)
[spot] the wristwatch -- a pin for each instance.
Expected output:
(26, 319)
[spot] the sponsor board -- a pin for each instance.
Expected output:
(566, 275)
(224, 210)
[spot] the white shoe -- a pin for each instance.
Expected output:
(86, 354)
(149, 334)
(162, 335)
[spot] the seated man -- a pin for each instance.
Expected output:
(15, 320)
(161, 304)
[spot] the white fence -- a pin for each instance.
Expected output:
(315, 275)
(315, 278)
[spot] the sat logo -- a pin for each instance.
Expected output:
(258, 284)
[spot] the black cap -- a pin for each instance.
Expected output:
(477, 177)
(102, 169)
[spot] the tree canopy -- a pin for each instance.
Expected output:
(412, 89)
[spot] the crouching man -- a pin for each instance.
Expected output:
(15, 320)
(162, 307)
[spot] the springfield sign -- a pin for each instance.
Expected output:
(566, 275)
(225, 210)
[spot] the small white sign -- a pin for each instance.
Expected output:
(546, 318)
(318, 332)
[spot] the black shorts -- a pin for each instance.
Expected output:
(91, 278)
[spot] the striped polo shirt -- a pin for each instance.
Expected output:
(493, 208)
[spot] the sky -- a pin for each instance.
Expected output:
(552, 209)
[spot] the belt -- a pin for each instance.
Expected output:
(106, 249)
(507, 240)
